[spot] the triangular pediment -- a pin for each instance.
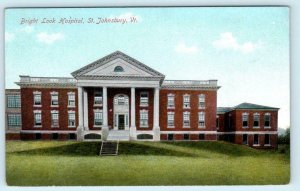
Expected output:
(117, 64)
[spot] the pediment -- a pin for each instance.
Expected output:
(111, 69)
(117, 64)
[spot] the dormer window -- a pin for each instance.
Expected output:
(118, 69)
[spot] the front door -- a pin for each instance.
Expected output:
(121, 122)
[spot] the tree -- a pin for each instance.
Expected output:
(285, 138)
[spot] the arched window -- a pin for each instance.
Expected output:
(118, 69)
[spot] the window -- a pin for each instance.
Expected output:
(38, 136)
(72, 136)
(201, 119)
(13, 101)
(14, 120)
(118, 69)
(202, 101)
(245, 119)
(121, 100)
(97, 98)
(54, 136)
(186, 136)
(170, 119)
(54, 119)
(71, 119)
(245, 139)
(144, 99)
(37, 98)
(186, 101)
(98, 117)
(267, 139)
(71, 99)
(218, 122)
(54, 99)
(256, 141)
(186, 119)
(37, 118)
(143, 118)
(256, 120)
(201, 136)
(267, 119)
(170, 137)
(171, 103)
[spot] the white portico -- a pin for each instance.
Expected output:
(116, 71)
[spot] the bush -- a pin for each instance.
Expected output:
(285, 138)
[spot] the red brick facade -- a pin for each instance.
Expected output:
(231, 127)
(119, 74)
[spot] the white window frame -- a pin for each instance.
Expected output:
(71, 112)
(201, 101)
(54, 94)
(99, 113)
(54, 114)
(14, 120)
(257, 140)
(37, 94)
(267, 114)
(98, 98)
(171, 101)
(201, 119)
(256, 115)
(35, 114)
(186, 104)
(245, 115)
(269, 140)
(184, 120)
(13, 101)
(144, 116)
(71, 99)
(171, 115)
(144, 103)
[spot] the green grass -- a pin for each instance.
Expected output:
(143, 163)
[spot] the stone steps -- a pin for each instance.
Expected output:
(109, 148)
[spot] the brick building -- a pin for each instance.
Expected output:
(120, 98)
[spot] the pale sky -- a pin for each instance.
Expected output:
(245, 49)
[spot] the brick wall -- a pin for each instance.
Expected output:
(210, 110)
(27, 108)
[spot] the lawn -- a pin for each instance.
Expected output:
(143, 163)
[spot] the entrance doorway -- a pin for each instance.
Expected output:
(121, 122)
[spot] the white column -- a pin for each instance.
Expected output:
(156, 129)
(105, 116)
(132, 115)
(80, 115)
(85, 110)
(80, 107)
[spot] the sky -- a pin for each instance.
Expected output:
(245, 49)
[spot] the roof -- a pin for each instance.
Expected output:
(113, 56)
(246, 105)
(221, 110)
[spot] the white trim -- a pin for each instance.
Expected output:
(71, 111)
(267, 127)
(37, 92)
(188, 132)
(54, 93)
(37, 111)
(46, 131)
(249, 132)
